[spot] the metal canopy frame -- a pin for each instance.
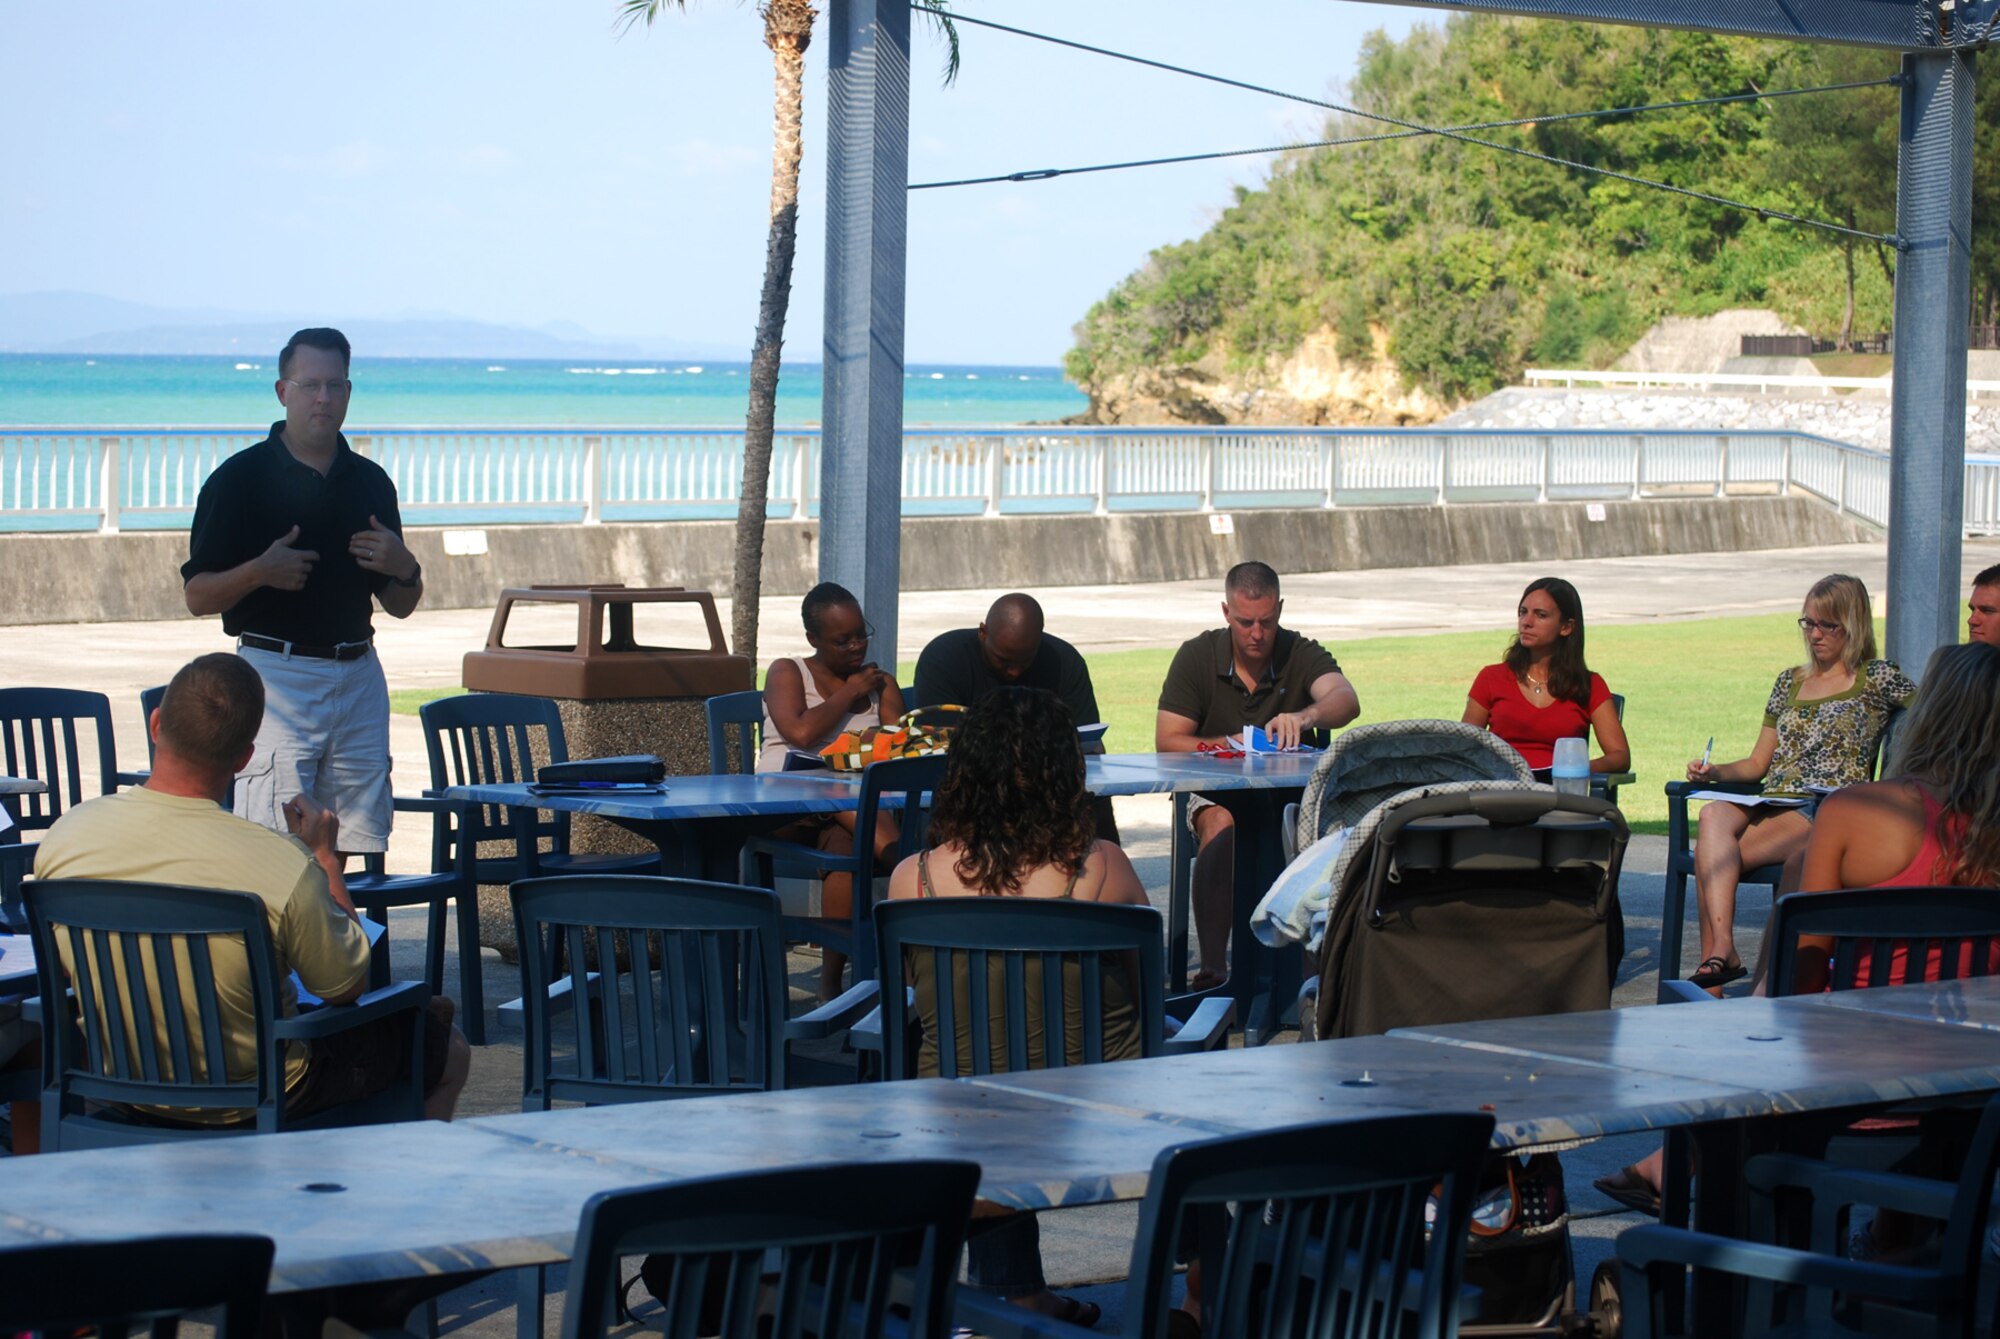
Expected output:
(867, 161)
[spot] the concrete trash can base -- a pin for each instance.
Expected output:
(614, 694)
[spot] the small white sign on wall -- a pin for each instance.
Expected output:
(1221, 523)
(465, 543)
(1594, 511)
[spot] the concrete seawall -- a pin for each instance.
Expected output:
(93, 578)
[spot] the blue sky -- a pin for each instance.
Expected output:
(520, 161)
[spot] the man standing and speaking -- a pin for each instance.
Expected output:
(294, 540)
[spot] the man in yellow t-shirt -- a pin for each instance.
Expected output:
(173, 830)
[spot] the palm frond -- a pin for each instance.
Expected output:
(631, 13)
(939, 13)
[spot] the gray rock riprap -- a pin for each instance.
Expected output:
(1861, 419)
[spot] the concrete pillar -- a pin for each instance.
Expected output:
(861, 461)
(1933, 307)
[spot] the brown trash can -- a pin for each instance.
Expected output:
(616, 691)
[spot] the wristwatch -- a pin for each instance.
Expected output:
(416, 577)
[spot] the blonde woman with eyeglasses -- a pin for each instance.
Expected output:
(1821, 726)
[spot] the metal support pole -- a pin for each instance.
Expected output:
(1927, 398)
(861, 453)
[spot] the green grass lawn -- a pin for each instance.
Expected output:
(1682, 683)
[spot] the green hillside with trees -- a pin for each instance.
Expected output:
(1477, 263)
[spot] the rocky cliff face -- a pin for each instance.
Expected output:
(1313, 387)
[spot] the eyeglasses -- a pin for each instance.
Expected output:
(1808, 624)
(312, 389)
(854, 642)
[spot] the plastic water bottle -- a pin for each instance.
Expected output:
(1571, 771)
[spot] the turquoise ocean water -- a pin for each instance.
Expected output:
(48, 390)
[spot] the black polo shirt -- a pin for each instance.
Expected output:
(1202, 684)
(952, 668)
(257, 495)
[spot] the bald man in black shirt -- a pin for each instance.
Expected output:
(1010, 649)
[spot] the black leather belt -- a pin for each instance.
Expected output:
(344, 651)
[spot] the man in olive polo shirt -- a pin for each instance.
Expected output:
(294, 540)
(1251, 672)
(1982, 611)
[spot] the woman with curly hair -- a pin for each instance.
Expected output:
(1012, 819)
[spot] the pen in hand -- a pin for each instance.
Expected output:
(1706, 754)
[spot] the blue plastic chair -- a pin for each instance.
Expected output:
(1955, 922)
(490, 738)
(1030, 940)
(17, 861)
(43, 736)
(482, 738)
(375, 890)
(848, 1241)
(733, 726)
(914, 780)
(1815, 1290)
(116, 1045)
(114, 1286)
(686, 996)
(1313, 1230)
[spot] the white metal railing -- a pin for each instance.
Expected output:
(1543, 376)
(109, 479)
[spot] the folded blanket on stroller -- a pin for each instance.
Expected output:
(1367, 768)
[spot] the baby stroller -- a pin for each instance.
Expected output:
(1439, 884)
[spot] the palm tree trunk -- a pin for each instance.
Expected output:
(1845, 338)
(788, 32)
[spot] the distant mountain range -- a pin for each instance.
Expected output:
(62, 322)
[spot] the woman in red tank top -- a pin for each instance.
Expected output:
(1936, 821)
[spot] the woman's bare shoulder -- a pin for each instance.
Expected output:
(1873, 803)
(1108, 871)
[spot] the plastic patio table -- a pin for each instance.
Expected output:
(700, 824)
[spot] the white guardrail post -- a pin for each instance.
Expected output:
(1100, 465)
(996, 471)
(110, 472)
(1205, 456)
(593, 481)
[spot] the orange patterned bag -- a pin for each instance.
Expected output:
(921, 732)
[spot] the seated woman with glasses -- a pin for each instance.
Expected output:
(1543, 691)
(1821, 727)
(1012, 819)
(808, 702)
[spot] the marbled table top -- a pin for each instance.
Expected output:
(778, 793)
(17, 961)
(504, 1191)
(1970, 1003)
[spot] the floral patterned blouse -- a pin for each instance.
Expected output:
(1831, 742)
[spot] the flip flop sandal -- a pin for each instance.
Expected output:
(1714, 973)
(1627, 1187)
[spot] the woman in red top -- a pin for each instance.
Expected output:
(1543, 691)
(1936, 822)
